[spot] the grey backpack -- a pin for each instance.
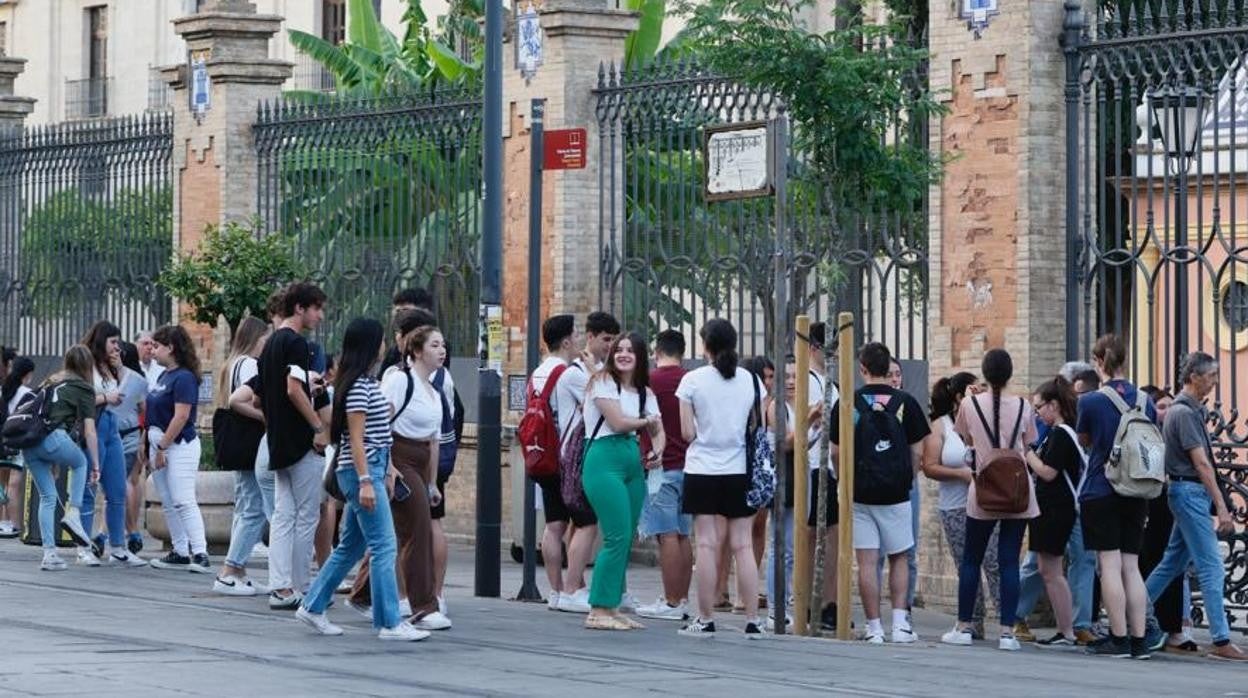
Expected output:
(1137, 463)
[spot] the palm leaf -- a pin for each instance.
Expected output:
(642, 44)
(336, 59)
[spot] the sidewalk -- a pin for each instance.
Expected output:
(115, 632)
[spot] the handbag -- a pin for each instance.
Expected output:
(760, 458)
(236, 438)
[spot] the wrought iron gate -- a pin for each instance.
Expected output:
(669, 258)
(1157, 214)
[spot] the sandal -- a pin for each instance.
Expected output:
(1185, 647)
(593, 622)
(724, 604)
(632, 624)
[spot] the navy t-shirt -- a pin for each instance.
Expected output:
(1098, 420)
(176, 386)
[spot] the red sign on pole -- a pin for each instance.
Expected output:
(564, 149)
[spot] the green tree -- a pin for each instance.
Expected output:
(231, 274)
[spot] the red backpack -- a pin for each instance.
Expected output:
(539, 429)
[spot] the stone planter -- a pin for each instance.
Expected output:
(215, 492)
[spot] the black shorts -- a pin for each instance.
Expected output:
(1114, 523)
(834, 508)
(1049, 532)
(439, 512)
(553, 507)
(717, 495)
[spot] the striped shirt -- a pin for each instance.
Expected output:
(365, 396)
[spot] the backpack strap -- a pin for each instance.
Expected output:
(995, 436)
(1075, 490)
(407, 396)
(238, 367)
(547, 390)
(1120, 404)
(1018, 423)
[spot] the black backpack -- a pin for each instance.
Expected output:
(883, 472)
(29, 425)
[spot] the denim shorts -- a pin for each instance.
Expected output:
(661, 512)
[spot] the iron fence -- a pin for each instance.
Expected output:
(670, 258)
(379, 195)
(85, 229)
(1156, 227)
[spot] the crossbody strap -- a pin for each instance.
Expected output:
(407, 397)
(1075, 490)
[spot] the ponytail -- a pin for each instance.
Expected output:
(726, 363)
(720, 340)
(998, 369)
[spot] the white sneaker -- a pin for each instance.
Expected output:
(405, 608)
(576, 602)
(1008, 643)
(52, 562)
(875, 637)
(122, 557)
(284, 603)
(317, 621)
(366, 611)
(433, 621)
(230, 585)
(88, 558)
(771, 622)
(7, 529)
(628, 604)
(957, 636)
(904, 636)
(661, 610)
(403, 632)
(552, 602)
(71, 523)
(260, 550)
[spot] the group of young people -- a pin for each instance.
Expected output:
(357, 450)
(665, 455)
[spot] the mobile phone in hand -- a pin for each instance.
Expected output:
(401, 490)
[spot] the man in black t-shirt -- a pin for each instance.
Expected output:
(297, 438)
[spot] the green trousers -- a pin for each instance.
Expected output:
(615, 486)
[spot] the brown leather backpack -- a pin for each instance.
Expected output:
(1002, 482)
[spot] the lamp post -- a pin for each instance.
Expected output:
(1179, 112)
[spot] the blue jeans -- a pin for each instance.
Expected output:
(363, 530)
(1080, 574)
(660, 513)
(912, 561)
(112, 479)
(57, 449)
(1195, 541)
(1009, 543)
(770, 564)
(249, 519)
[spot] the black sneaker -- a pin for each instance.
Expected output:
(698, 628)
(134, 543)
(827, 617)
(752, 631)
(1111, 647)
(171, 561)
(97, 545)
(1139, 649)
(1058, 640)
(200, 563)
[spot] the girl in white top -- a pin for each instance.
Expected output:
(945, 461)
(16, 387)
(618, 405)
(715, 404)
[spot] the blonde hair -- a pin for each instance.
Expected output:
(249, 333)
(79, 363)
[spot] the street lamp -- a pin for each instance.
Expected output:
(1179, 112)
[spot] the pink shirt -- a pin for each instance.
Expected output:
(972, 430)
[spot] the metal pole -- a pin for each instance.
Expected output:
(537, 112)
(845, 471)
(1071, 38)
(780, 334)
(489, 408)
(801, 480)
(1180, 270)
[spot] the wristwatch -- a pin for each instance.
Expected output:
(366, 478)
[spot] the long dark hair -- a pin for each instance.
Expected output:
(360, 346)
(998, 369)
(21, 368)
(96, 340)
(130, 357)
(641, 374)
(720, 339)
(1061, 391)
(948, 392)
(179, 342)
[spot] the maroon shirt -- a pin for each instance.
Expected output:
(663, 381)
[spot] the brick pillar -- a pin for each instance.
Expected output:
(579, 36)
(996, 221)
(214, 157)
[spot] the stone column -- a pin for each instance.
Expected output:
(13, 112)
(580, 35)
(214, 156)
(13, 109)
(997, 217)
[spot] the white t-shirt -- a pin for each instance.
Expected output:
(22, 391)
(952, 455)
(566, 401)
(104, 383)
(422, 418)
(247, 368)
(152, 372)
(721, 408)
(815, 388)
(630, 405)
